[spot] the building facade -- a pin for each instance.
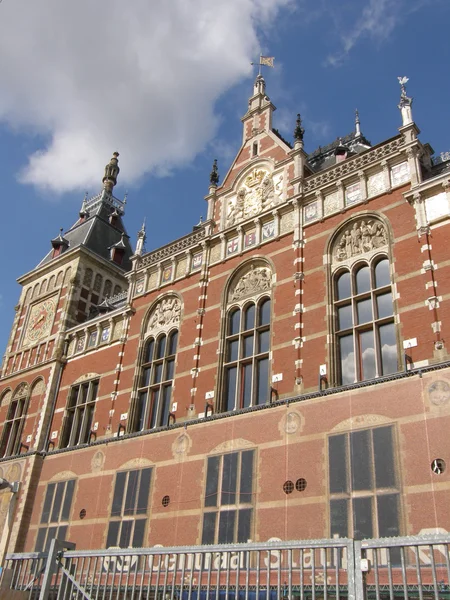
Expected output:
(280, 372)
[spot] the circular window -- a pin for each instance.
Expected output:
(288, 487)
(438, 466)
(82, 513)
(165, 501)
(300, 485)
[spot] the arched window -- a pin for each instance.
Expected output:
(117, 289)
(13, 426)
(107, 289)
(246, 360)
(156, 381)
(364, 321)
(98, 283)
(88, 274)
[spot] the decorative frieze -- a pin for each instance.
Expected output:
(251, 283)
(361, 237)
(178, 246)
(165, 314)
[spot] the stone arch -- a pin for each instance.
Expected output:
(59, 279)
(249, 280)
(164, 314)
(5, 397)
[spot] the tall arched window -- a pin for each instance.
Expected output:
(364, 325)
(156, 381)
(13, 426)
(246, 360)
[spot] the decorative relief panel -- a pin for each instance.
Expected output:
(259, 192)
(436, 206)
(363, 236)
(253, 282)
(215, 253)
(287, 222)
(400, 174)
(118, 329)
(165, 314)
(152, 280)
(311, 211)
(375, 184)
(22, 390)
(331, 203)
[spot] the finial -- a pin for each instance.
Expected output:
(214, 175)
(141, 237)
(299, 130)
(125, 198)
(405, 102)
(111, 173)
(357, 123)
(83, 210)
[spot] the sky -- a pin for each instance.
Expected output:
(165, 83)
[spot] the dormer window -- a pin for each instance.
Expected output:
(117, 251)
(59, 244)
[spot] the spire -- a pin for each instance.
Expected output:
(84, 213)
(214, 175)
(141, 237)
(299, 130)
(111, 172)
(357, 124)
(405, 102)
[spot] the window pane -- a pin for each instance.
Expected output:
(212, 481)
(88, 418)
(233, 347)
(382, 276)
(345, 319)
(125, 534)
(347, 357)
(388, 345)
(339, 518)
(343, 286)
(247, 385)
(364, 311)
(230, 386)
(384, 457)
(170, 367)
(388, 515)
(337, 461)
(165, 408)
(138, 535)
(262, 381)
(148, 354)
(264, 312)
(234, 322)
(384, 305)
(244, 521)
(209, 526)
(119, 487)
(51, 533)
(146, 376)
(57, 502)
(361, 460)
(363, 280)
(40, 539)
(362, 518)
(367, 350)
(154, 408)
(173, 342)
(70, 486)
(263, 341)
(157, 375)
(249, 319)
(93, 391)
(48, 502)
(73, 397)
(144, 488)
(140, 413)
(82, 397)
(160, 350)
(226, 527)
(246, 476)
(113, 534)
(130, 498)
(61, 532)
(248, 346)
(229, 476)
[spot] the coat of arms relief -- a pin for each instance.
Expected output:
(259, 192)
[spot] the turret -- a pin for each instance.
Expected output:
(111, 173)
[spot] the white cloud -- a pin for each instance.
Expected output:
(377, 21)
(139, 77)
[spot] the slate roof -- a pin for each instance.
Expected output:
(96, 232)
(324, 156)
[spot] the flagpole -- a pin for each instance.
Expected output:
(259, 73)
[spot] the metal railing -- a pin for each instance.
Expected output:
(390, 568)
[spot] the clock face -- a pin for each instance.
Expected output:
(40, 321)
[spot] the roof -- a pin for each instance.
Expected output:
(95, 232)
(325, 156)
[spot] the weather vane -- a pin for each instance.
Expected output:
(403, 81)
(264, 61)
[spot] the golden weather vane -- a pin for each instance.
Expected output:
(264, 61)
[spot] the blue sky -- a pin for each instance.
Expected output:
(165, 84)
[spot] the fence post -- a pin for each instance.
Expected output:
(56, 546)
(359, 576)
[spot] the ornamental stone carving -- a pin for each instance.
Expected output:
(22, 390)
(165, 314)
(254, 281)
(259, 192)
(362, 236)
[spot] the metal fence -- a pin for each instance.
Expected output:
(381, 569)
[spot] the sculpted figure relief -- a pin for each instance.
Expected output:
(258, 192)
(257, 280)
(166, 313)
(363, 236)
